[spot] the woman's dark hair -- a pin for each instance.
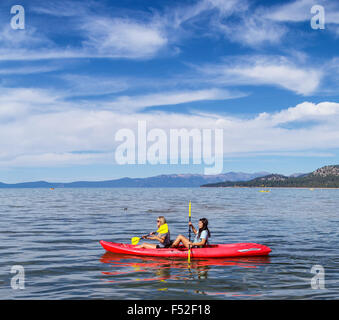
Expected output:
(204, 227)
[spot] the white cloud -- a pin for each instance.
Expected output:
(27, 70)
(306, 111)
(265, 70)
(147, 35)
(132, 104)
(113, 37)
(63, 8)
(295, 11)
(86, 85)
(180, 15)
(94, 36)
(29, 37)
(19, 102)
(16, 103)
(53, 159)
(300, 11)
(143, 37)
(31, 54)
(234, 19)
(36, 137)
(253, 31)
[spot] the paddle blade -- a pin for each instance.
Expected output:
(135, 240)
(189, 255)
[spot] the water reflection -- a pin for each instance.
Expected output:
(129, 268)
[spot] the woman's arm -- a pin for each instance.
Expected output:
(193, 229)
(201, 243)
(161, 239)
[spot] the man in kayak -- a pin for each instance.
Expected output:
(162, 235)
(201, 236)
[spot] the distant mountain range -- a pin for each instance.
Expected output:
(325, 177)
(161, 181)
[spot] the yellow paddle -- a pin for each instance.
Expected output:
(189, 232)
(162, 229)
(135, 240)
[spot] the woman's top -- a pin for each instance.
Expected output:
(164, 231)
(203, 235)
(167, 240)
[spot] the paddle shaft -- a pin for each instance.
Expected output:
(189, 220)
(189, 232)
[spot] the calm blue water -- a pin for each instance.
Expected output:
(55, 236)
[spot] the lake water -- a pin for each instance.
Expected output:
(54, 235)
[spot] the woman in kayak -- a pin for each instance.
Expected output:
(162, 235)
(201, 235)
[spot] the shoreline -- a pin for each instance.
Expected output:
(261, 188)
(265, 188)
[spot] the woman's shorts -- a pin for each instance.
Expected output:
(161, 246)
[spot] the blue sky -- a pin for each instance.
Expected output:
(82, 70)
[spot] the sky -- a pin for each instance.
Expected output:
(265, 72)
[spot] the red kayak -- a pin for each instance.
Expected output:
(210, 251)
